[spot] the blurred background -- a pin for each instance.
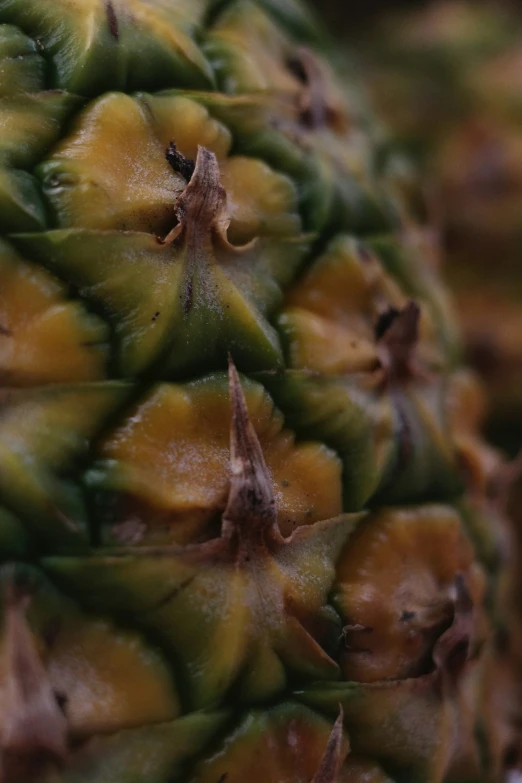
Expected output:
(446, 77)
(345, 14)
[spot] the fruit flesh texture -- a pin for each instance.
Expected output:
(190, 563)
(453, 70)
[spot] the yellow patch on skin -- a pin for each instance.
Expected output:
(331, 314)
(111, 680)
(188, 124)
(260, 202)
(396, 590)
(285, 744)
(327, 347)
(173, 456)
(44, 337)
(111, 172)
(343, 293)
(107, 679)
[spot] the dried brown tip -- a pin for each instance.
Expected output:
(451, 652)
(251, 508)
(202, 210)
(203, 203)
(328, 772)
(180, 164)
(398, 336)
(33, 728)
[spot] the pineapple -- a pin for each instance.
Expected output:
(447, 78)
(247, 527)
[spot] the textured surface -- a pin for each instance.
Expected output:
(199, 571)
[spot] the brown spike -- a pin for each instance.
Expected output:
(328, 772)
(202, 207)
(398, 341)
(34, 729)
(203, 218)
(251, 508)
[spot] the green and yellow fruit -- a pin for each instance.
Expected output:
(247, 528)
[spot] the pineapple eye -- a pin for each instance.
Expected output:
(425, 620)
(144, 496)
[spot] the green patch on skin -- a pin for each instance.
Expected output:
(98, 45)
(44, 432)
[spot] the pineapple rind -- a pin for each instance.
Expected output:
(200, 646)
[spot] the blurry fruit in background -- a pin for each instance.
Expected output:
(448, 78)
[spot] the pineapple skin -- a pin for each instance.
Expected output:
(247, 523)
